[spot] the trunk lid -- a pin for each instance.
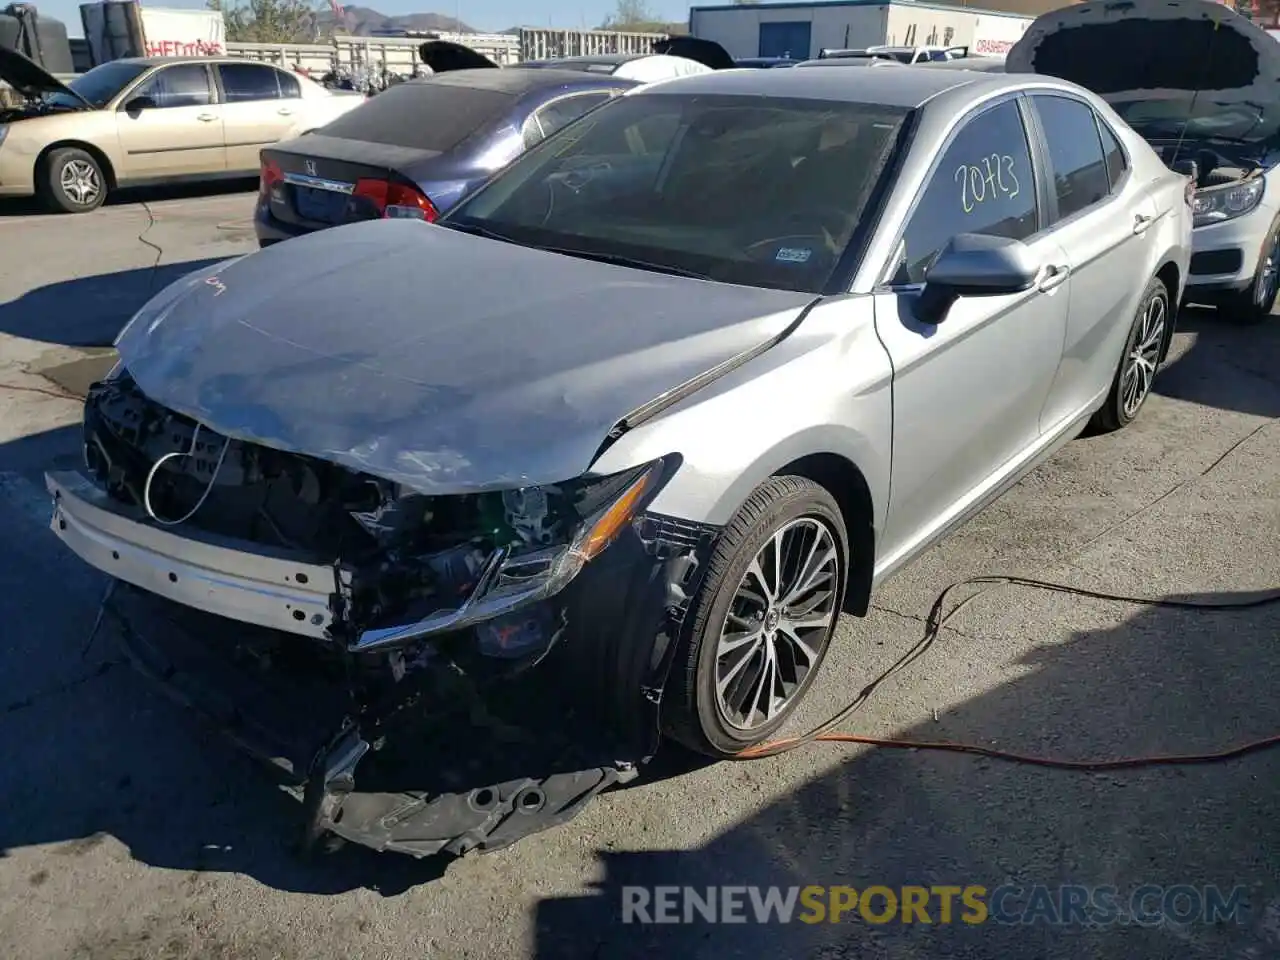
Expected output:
(447, 362)
(1150, 50)
(29, 78)
(312, 181)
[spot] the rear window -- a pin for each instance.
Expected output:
(421, 115)
(743, 190)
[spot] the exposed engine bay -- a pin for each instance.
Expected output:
(400, 555)
(1215, 166)
(462, 743)
(33, 107)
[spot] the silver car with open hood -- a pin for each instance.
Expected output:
(485, 506)
(1202, 85)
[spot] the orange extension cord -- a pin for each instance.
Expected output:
(934, 623)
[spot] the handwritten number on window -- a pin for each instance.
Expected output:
(990, 178)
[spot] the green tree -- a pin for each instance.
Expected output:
(267, 21)
(635, 16)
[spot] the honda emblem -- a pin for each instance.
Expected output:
(311, 168)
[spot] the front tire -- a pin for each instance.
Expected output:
(72, 181)
(1253, 305)
(760, 626)
(1138, 363)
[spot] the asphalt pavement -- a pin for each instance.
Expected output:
(127, 831)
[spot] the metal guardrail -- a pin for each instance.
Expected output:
(400, 54)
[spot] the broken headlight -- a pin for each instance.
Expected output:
(553, 534)
(1217, 204)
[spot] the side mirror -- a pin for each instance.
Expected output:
(138, 104)
(973, 265)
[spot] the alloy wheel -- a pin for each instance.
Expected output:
(1268, 274)
(1144, 356)
(80, 182)
(778, 625)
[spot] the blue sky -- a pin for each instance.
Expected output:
(481, 14)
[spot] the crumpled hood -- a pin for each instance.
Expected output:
(29, 78)
(1153, 49)
(447, 362)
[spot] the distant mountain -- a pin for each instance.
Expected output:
(364, 22)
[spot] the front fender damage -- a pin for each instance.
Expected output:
(443, 751)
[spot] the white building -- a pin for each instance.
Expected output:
(801, 30)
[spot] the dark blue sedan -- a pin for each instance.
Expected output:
(418, 147)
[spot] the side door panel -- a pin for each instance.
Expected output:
(1104, 230)
(967, 392)
(181, 135)
(254, 113)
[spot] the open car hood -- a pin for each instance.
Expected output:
(29, 78)
(373, 346)
(1153, 50)
(706, 52)
(443, 56)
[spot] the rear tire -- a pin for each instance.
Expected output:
(70, 180)
(1139, 362)
(751, 651)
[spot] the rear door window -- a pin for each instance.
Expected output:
(181, 85)
(246, 82)
(1117, 166)
(983, 184)
(1077, 167)
(290, 88)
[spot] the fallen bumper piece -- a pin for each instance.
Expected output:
(465, 779)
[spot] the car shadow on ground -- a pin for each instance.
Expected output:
(1162, 682)
(89, 311)
(1227, 367)
(29, 207)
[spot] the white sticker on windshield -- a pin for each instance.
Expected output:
(793, 255)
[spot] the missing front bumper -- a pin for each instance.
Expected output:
(420, 782)
(452, 753)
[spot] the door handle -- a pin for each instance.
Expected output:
(1140, 222)
(285, 112)
(1053, 276)
(207, 117)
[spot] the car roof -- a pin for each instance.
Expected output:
(616, 59)
(165, 61)
(518, 81)
(891, 88)
(847, 62)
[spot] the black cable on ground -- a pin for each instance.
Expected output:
(938, 617)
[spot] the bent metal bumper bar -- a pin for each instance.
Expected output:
(273, 589)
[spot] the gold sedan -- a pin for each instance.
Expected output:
(141, 121)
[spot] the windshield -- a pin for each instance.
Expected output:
(1203, 118)
(100, 84)
(736, 189)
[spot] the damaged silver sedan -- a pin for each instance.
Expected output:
(451, 523)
